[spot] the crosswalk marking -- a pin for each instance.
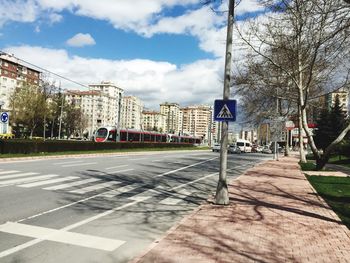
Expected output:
(16, 175)
(145, 195)
(176, 198)
(52, 181)
(120, 190)
(94, 187)
(9, 172)
(28, 179)
(77, 164)
(122, 171)
(43, 233)
(68, 185)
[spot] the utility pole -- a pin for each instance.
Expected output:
(221, 197)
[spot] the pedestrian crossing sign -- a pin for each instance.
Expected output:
(225, 110)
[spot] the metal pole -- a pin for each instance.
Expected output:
(60, 125)
(221, 197)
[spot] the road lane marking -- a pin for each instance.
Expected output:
(70, 162)
(77, 164)
(16, 175)
(77, 239)
(119, 166)
(9, 172)
(146, 194)
(64, 186)
(52, 181)
(27, 179)
(185, 167)
(120, 190)
(176, 198)
(94, 187)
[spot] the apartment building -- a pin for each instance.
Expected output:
(131, 116)
(154, 121)
(97, 106)
(114, 93)
(14, 74)
(172, 113)
(343, 95)
(197, 121)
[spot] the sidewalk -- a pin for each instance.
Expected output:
(274, 216)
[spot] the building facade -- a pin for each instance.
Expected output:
(343, 95)
(154, 121)
(172, 113)
(131, 116)
(14, 74)
(197, 121)
(97, 107)
(115, 94)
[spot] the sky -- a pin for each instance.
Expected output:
(157, 50)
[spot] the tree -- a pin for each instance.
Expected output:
(312, 36)
(28, 107)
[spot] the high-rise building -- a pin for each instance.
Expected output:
(343, 95)
(14, 74)
(154, 121)
(116, 94)
(132, 113)
(97, 106)
(172, 113)
(197, 121)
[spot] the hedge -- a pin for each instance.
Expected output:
(17, 146)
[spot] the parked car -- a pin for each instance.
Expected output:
(266, 149)
(234, 149)
(256, 148)
(216, 147)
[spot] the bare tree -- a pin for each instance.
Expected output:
(313, 37)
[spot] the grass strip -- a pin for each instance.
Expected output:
(336, 192)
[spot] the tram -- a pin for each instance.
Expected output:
(112, 134)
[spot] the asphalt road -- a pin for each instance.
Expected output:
(102, 209)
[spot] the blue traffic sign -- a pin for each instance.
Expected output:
(4, 117)
(225, 110)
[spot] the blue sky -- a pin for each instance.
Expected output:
(158, 50)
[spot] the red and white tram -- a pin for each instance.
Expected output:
(112, 134)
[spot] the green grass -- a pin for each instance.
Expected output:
(336, 192)
(102, 151)
(309, 166)
(342, 160)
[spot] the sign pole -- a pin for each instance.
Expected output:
(221, 197)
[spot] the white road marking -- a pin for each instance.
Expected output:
(156, 161)
(94, 187)
(9, 172)
(68, 162)
(16, 175)
(64, 186)
(52, 181)
(176, 198)
(109, 168)
(138, 159)
(77, 164)
(62, 236)
(28, 179)
(120, 190)
(146, 194)
(185, 167)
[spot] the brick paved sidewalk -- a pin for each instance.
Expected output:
(274, 216)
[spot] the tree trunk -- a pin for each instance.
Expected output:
(301, 139)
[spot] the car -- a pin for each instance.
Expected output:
(234, 149)
(266, 149)
(216, 147)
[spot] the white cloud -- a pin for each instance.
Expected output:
(81, 40)
(154, 82)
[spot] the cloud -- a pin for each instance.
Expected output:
(81, 40)
(152, 81)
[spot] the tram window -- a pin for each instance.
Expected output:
(147, 137)
(152, 137)
(111, 136)
(123, 136)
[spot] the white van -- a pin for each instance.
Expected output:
(244, 145)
